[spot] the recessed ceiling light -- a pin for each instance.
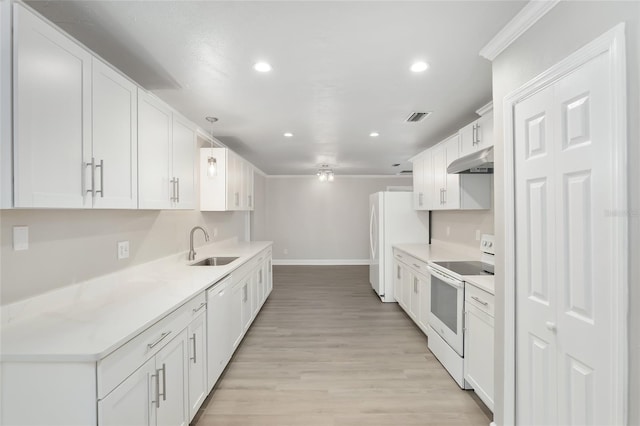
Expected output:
(262, 67)
(374, 134)
(288, 135)
(419, 66)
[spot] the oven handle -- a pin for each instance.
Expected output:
(446, 279)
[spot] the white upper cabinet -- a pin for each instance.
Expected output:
(113, 165)
(446, 187)
(477, 135)
(422, 182)
(52, 115)
(166, 150)
(183, 155)
(232, 186)
(156, 188)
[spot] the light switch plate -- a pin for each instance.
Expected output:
(20, 238)
(123, 249)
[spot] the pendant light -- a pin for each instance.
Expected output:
(212, 163)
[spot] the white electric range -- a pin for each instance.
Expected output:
(446, 318)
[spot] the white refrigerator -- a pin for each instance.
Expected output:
(392, 220)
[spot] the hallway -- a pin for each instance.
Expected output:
(325, 351)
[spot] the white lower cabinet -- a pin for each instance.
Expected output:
(154, 394)
(413, 288)
(197, 362)
(478, 342)
(130, 403)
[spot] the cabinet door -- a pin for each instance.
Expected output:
(233, 196)
(183, 170)
(418, 183)
(397, 281)
(130, 403)
(154, 150)
(260, 285)
(115, 138)
(52, 115)
(248, 186)
(247, 310)
(425, 303)
(484, 132)
(197, 361)
(220, 324)
(439, 168)
(172, 374)
(414, 303)
(468, 139)
(269, 276)
(237, 304)
(478, 353)
(452, 181)
(407, 289)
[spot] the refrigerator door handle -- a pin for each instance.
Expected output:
(372, 242)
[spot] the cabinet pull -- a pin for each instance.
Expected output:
(157, 400)
(202, 305)
(417, 266)
(101, 166)
(415, 285)
(480, 301)
(164, 383)
(177, 190)
(260, 277)
(160, 339)
(464, 322)
(92, 164)
(244, 296)
(194, 348)
(173, 189)
(444, 196)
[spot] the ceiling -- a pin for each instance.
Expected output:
(340, 71)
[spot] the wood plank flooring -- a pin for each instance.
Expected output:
(325, 351)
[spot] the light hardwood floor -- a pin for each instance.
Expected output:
(325, 351)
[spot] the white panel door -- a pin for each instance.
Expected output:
(564, 186)
(155, 191)
(52, 115)
(115, 138)
(197, 350)
(131, 402)
(183, 164)
(171, 370)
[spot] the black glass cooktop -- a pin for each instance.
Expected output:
(467, 268)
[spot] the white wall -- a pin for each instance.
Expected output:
(567, 27)
(313, 220)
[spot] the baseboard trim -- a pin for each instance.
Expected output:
(317, 262)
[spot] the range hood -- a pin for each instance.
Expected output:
(479, 162)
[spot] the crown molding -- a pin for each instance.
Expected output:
(485, 109)
(529, 15)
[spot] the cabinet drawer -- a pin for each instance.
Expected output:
(250, 265)
(479, 298)
(417, 265)
(118, 365)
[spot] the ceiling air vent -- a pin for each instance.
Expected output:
(417, 116)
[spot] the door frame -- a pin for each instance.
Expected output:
(612, 44)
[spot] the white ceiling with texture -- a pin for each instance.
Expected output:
(340, 71)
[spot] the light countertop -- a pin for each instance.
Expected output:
(87, 321)
(443, 251)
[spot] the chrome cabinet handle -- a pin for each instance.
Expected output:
(444, 196)
(245, 293)
(260, 277)
(164, 383)
(173, 189)
(474, 135)
(415, 285)
(194, 348)
(177, 190)
(417, 266)
(202, 305)
(480, 301)
(157, 400)
(92, 164)
(101, 166)
(160, 339)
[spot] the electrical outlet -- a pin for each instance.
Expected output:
(20, 238)
(477, 235)
(123, 249)
(285, 251)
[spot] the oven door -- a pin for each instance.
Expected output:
(447, 309)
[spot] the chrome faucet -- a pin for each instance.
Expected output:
(192, 252)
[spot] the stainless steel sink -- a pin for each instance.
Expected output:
(214, 261)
